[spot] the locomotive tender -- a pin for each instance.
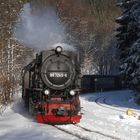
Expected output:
(51, 85)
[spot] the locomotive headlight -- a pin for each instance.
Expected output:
(72, 92)
(46, 92)
(59, 49)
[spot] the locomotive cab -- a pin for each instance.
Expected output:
(51, 87)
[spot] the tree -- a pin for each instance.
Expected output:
(125, 30)
(90, 26)
(131, 61)
(126, 34)
(10, 51)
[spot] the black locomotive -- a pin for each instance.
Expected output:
(51, 86)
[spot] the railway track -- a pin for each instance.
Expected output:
(107, 105)
(85, 131)
(98, 132)
(78, 136)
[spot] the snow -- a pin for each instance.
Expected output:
(104, 115)
(110, 121)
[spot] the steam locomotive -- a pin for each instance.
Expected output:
(51, 85)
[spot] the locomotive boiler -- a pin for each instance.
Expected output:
(51, 85)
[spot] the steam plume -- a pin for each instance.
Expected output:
(39, 31)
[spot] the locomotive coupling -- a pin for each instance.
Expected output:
(61, 111)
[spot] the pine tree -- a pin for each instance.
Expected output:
(126, 34)
(133, 59)
(130, 45)
(133, 69)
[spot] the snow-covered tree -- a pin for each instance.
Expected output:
(129, 41)
(124, 35)
(133, 67)
(11, 53)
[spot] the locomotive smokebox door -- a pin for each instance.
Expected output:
(57, 72)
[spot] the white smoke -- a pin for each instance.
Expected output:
(39, 31)
(65, 47)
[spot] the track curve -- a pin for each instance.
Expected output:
(84, 131)
(105, 104)
(98, 132)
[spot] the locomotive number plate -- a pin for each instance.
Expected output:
(58, 74)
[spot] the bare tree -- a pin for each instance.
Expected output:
(11, 53)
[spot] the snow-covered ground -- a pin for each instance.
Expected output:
(104, 118)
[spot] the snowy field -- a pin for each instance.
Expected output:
(104, 118)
